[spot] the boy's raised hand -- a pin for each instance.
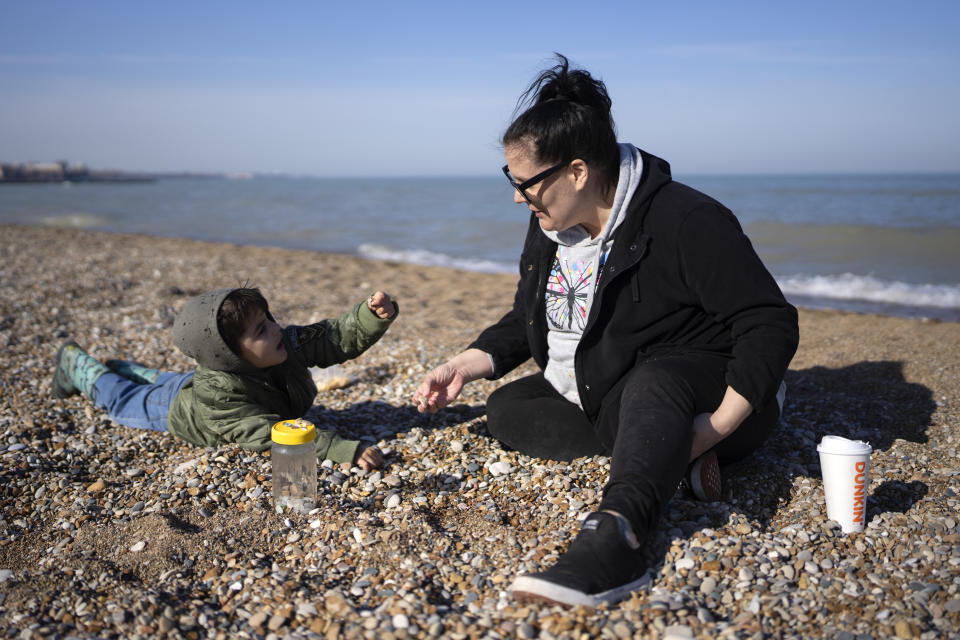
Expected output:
(381, 305)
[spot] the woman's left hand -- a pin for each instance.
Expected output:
(711, 428)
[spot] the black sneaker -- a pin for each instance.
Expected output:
(603, 564)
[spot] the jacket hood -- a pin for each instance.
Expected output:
(656, 173)
(196, 334)
(631, 168)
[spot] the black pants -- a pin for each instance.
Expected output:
(645, 424)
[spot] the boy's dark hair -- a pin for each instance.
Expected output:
(235, 312)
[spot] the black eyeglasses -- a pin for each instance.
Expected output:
(526, 184)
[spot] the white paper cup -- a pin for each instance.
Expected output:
(845, 465)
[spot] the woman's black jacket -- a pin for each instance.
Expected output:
(681, 278)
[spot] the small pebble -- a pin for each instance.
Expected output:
(393, 480)
(500, 468)
(678, 632)
(96, 487)
(685, 563)
(708, 585)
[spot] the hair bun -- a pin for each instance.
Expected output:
(562, 84)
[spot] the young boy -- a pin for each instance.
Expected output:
(252, 373)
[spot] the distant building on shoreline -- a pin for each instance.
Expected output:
(63, 171)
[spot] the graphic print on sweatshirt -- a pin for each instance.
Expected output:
(566, 294)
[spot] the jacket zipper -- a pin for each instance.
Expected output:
(639, 245)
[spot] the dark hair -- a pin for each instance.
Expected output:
(568, 117)
(235, 312)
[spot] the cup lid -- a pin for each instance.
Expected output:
(843, 446)
(297, 431)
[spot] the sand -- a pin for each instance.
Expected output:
(67, 565)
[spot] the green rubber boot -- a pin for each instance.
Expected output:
(76, 372)
(133, 371)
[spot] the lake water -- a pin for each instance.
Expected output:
(879, 243)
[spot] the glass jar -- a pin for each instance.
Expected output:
(294, 461)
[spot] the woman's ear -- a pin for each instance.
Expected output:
(580, 173)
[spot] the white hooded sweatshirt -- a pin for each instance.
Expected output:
(577, 267)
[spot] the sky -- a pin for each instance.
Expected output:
(426, 88)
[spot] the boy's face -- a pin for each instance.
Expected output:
(262, 342)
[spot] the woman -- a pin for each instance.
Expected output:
(661, 336)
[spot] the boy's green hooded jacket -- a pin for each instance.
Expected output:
(228, 400)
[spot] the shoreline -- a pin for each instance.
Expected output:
(878, 297)
(111, 532)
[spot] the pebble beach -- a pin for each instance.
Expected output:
(110, 532)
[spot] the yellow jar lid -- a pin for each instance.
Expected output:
(297, 431)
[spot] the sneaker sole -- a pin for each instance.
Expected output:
(532, 590)
(709, 491)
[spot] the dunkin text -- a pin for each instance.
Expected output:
(859, 480)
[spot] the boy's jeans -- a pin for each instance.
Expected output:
(141, 406)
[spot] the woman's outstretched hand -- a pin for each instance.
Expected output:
(443, 384)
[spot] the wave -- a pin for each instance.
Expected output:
(846, 291)
(433, 259)
(853, 292)
(849, 286)
(75, 221)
